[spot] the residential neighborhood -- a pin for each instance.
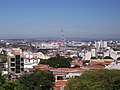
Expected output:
(32, 55)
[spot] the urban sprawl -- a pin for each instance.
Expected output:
(18, 57)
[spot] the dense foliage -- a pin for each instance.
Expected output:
(100, 79)
(3, 58)
(39, 80)
(57, 62)
(5, 84)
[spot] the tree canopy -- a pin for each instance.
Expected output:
(3, 58)
(96, 79)
(5, 84)
(39, 80)
(57, 62)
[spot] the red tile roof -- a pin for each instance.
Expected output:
(41, 67)
(76, 63)
(104, 63)
(95, 67)
(15, 52)
(31, 69)
(60, 83)
(68, 69)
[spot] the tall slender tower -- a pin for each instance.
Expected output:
(62, 35)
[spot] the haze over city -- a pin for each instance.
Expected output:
(45, 18)
(59, 44)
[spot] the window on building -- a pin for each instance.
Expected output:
(17, 63)
(17, 56)
(59, 77)
(22, 64)
(22, 69)
(22, 59)
(13, 69)
(12, 64)
(12, 59)
(17, 69)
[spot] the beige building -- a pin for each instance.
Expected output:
(15, 62)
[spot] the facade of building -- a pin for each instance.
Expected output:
(16, 62)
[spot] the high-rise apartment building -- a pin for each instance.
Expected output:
(16, 62)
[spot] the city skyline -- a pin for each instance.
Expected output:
(78, 18)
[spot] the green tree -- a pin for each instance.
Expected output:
(38, 80)
(5, 84)
(0, 71)
(100, 79)
(57, 62)
(3, 58)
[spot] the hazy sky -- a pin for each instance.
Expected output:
(45, 18)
